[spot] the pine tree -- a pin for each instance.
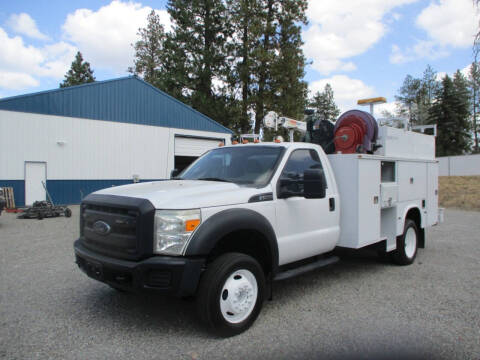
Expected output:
(149, 61)
(200, 34)
(79, 73)
(416, 97)
(463, 106)
(279, 61)
(429, 85)
(408, 98)
(324, 103)
(474, 83)
(426, 94)
(264, 57)
(450, 112)
(246, 25)
(288, 68)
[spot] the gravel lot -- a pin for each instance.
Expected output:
(362, 307)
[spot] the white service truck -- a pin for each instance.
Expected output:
(243, 216)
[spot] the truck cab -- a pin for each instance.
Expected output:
(235, 220)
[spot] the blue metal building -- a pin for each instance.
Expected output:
(87, 137)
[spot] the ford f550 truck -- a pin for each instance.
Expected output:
(242, 216)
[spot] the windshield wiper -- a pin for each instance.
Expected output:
(213, 179)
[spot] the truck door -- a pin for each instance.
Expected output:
(305, 227)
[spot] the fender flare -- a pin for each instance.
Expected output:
(228, 221)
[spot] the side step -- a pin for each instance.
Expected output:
(306, 268)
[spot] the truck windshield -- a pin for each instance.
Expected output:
(248, 165)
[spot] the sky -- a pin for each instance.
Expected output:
(363, 48)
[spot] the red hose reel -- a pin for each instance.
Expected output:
(355, 131)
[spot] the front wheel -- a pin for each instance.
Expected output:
(407, 244)
(231, 293)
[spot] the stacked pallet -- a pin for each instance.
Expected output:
(9, 197)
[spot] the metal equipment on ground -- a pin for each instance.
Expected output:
(44, 209)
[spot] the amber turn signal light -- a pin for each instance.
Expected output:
(191, 225)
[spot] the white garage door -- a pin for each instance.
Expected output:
(186, 146)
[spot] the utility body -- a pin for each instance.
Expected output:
(242, 216)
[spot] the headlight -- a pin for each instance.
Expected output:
(173, 228)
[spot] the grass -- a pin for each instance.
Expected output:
(460, 192)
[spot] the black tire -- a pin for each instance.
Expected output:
(405, 254)
(39, 216)
(68, 212)
(212, 290)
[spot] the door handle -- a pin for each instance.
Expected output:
(331, 202)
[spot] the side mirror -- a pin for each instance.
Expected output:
(174, 173)
(283, 192)
(314, 184)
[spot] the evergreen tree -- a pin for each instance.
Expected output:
(149, 61)
(429, 85)
(264, 57)
(288, 68)
(426, 95)
(79, 73)
(416, 96)
(229, 59)
(450, 113)
(246, 25)
(279, 61)
(200, 34)
(324, 103)
(463, 106)
(408, 98)
(474, 82)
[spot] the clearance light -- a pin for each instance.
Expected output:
(221, 144)
(256, 141)
(234, 142)
(277, 141)
(245, 142)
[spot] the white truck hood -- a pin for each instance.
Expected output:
(186, 194)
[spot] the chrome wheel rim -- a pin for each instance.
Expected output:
(410, 242)
(238, 296)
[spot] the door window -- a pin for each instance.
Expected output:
(299, 161)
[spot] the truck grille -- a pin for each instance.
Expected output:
(116, 230)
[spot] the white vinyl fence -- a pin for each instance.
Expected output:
(462, 165)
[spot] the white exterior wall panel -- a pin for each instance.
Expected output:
(86, 149)
(464, 165)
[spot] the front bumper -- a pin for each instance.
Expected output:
(168, 275)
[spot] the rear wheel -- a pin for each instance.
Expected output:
(231, 293)
(407, 244)
(68, 212)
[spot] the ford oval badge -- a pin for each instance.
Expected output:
(101, 227)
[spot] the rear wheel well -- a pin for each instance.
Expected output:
(415, 215)
(249, 242)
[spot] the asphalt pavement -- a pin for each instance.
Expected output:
(361, 308)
